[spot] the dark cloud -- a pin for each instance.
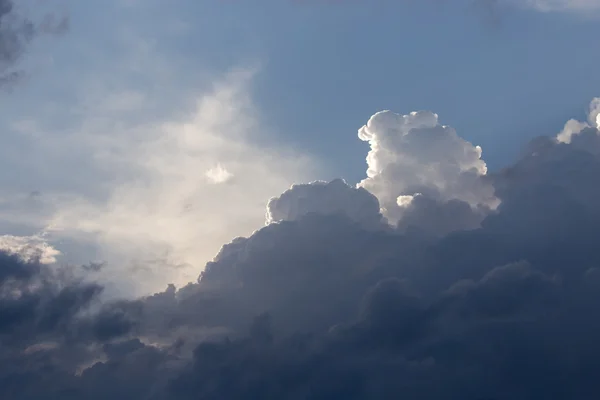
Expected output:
(16, 33)
(47, 327)
(458, 301)
(94, 266)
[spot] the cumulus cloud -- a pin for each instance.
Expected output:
(432, 278)
(326, 198)
(328, 301)
(415, 155)
(29, 248)
(574, 127)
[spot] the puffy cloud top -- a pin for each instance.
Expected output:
(326, 198)
(574, 127)
(495, 305)
(414, 154)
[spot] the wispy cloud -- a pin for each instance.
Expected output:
(16, 32)
(151, 187)
(565, 5)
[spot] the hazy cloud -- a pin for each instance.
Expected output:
(140, 196)
(328, 301)
(565, 5)
(16, 33)
(218, 174)
(433, 278)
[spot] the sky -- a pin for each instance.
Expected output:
(94, 105)
(358, 197)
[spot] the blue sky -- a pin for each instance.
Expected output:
(325, 67)
(286, 83)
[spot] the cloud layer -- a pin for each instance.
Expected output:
(446, 298)
(16, 33)
(565, 5)
(154, 201)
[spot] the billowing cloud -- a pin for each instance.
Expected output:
(415, 155)
(574, 127)
(29, 248)
(431, 279)
(483, 313)
(326, 198)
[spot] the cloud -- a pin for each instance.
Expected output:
(447, 317)
(218, 174)
(43, 304)
(414, 154)
(433, 278)
(326, 198)
(29, 248)
(328, 301)
(154, 200)
(492, 10)
(16, 33)
(574, 127)
(492, 7)
(565, 5)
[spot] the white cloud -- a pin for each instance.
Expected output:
(144, 195)
(413, 154)
(326, 198)
(574, 127)
(29, 248)
(218, 174)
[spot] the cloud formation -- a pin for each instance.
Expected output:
(218, 174)
(326, 198)
(431, 279)
(574, 127)
(29, 248)
(565, 5)
(151, 200)
(16, 33)
(414, 155)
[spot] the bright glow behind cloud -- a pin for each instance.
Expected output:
(218, 174)
(151, 204)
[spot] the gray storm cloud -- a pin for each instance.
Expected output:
(455, 299)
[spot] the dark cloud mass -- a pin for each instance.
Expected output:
(468, 285)
(16, 33)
